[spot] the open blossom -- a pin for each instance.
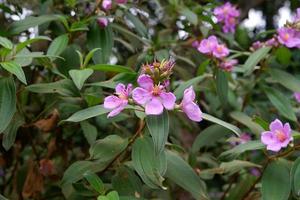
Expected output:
(210, 46)
(228, 65)
(227, 14)
(118, 102)
(102, 22)
(188, 105)
(279, 136)
(153, 97)
(289, 37)
(106, 4)
(297, 96)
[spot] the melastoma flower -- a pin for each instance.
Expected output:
(102, 22)
(289, 37)
(228, 65)
(220, 51)
(297, 96)
(106, 4)
(279, 136)
(153, 97)
(188, 105)
(228, 15)
(207, 46)
(118, 102)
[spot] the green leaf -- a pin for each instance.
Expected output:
(94, 181)
(183, 175)
(213, 119)
(3, 198)
(28, 22)
(15, 69)
(190, 15)
(285, 79)
(150, 166)
(89, 56)
(113, 195)
(158, 126)
(7, 101)
(89, 131)
(222, 86)
(283, 55)
(102, 198)
(139, 27)
(111, 68)
(247, 121)
(254, 59)
(87, 113)
(63, 87)
(9, 134)
(107, 148)
(276, 183)
(179, 90)
(22, 45)
(126, 182)
(6, 43)
(80, 76)
(237, 150)
(281, 103)
(209, 136)
(100, 38)
(58, 45)
(295, 176)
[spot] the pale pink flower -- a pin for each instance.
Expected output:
(207, 46)
(106, 5)
(257, 45)
(279, 136)
(188, 105)
(102, 22)
(297, 96)
(228, 65)
(118, 102)
(289, 37)
(153, 97)
(220, 51)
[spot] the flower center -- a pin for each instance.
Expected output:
(219, 49)
(280, 135)
(286, 36)
(122, 96)
(156, 90)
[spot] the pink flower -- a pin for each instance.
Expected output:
(220, 51)
(278, 137)
(153, 97)
(188, 105)
(228, 65)
(207, 46)
(257, 45)
(289, 37)
(227, 14)
(118, 102)
(102, 22)
(272, 42)
(106, 4)
(297, 17)
(121, 1)
(297, 96)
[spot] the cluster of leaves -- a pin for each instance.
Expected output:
(57, 142)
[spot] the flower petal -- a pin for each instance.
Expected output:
(111, 102)
(154, 107)
(268, 137)
(117, 110)
(141, 96)
(168, 100)
(274, 147)
(120, 88)
(145, 81)
(276, 125)
(192, 111)
(189, 94)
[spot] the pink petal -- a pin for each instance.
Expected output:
(111, 102)
(267, 138)
(117, 110)
(120, 88)
(168, 100)
(145, 81)
(189, 94)
(154, 107)
(287, 129)
(276, 125)
(141, 96)
(193, 111)
(129, 89)
(274, 147)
